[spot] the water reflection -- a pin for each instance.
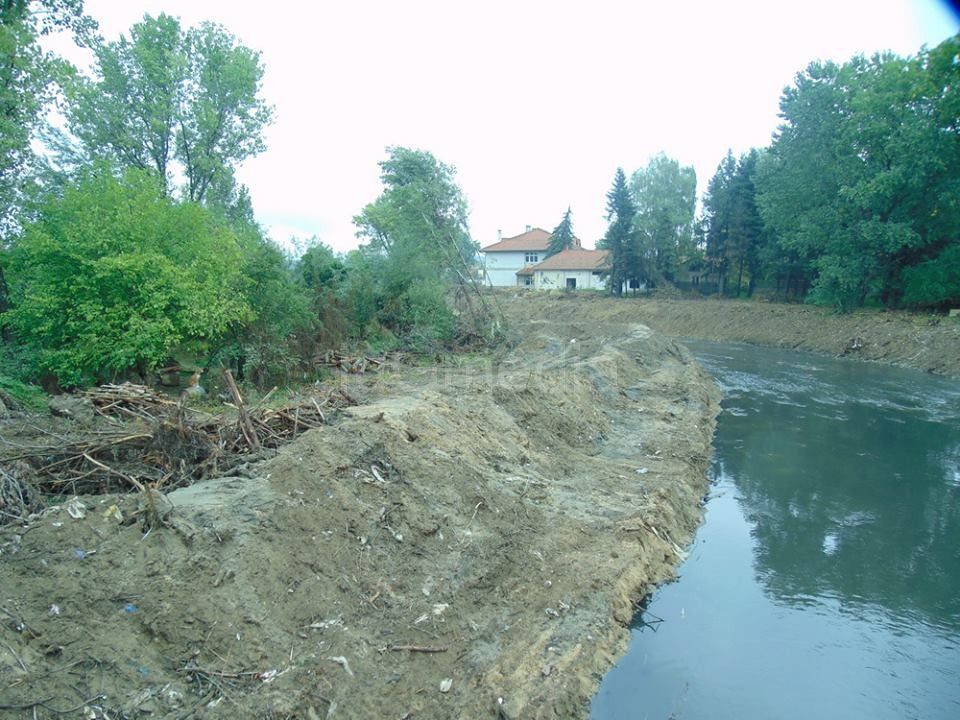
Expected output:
(848, 480)
(825, 580)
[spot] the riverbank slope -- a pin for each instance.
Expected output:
(466, 541)
(919, 340)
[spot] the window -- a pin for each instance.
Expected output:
(527, 280)
(531, 258)
(571, 283)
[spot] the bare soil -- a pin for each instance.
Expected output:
(468, 541)
(924, 341)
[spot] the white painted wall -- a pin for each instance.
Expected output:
(501, 267)
(557, 279)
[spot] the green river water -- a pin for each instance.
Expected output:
(825, 582)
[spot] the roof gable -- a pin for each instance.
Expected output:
(572, 259)
(534, 239)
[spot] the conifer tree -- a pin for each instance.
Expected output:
(620, 240)
(562, 237)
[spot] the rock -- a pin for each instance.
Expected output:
(73, 407)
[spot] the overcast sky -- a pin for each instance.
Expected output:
(535, 103)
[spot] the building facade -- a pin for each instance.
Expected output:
(507, 256)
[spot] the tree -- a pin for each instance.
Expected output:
(863, 176)
(665, 196)
(562, 237)
(733, 229)
(418, 242)
(170, 100)
(620, 240)
(28, 77)
(115, 276)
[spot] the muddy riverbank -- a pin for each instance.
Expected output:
(923, 341)
(465, 542)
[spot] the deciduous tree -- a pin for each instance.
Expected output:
(185, 103)
(114, 276)
(665, 196)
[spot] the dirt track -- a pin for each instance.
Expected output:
(466, 541)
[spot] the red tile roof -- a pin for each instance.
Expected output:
(535, 239)
(573, 259)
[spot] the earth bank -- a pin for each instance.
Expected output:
(466, 542)
(464, 535)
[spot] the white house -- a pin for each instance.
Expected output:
(504, 258)
(574, 269)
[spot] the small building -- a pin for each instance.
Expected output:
(573, 269)
(505, 257)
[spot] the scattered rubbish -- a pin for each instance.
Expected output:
(76, 509)
(129, 608)
(446, 684)
(113, 512)
(342, 661)
(79, 554)
(642, 471)
(54, 609)
(439, 609)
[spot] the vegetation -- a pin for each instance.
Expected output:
(562, 236)
(418, 244)
(130, 242)
(620, 240)
(114, 275)
(665, 196)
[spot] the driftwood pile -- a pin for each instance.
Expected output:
(356, 364)
(161, 444)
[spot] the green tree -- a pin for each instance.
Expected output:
(863, 177)
(28, 77)
(562, 237)
(418, 243)
(733, 229)
(171, 101)
(620, 240)
(114, 276)
(665, 196)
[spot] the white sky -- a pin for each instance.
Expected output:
(536, 103)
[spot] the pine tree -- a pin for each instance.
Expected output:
(620, 240)
(562, 237)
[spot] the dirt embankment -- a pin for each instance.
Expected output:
(467, 542)
(923, 341)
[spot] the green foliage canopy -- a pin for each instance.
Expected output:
(170, 99)
(115, 276)
(418, 242)
(863, 176)
(665, 195)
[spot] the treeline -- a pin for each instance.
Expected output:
(856, 201)
(129, 245)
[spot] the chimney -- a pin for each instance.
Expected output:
(499, 235)
(529, 228)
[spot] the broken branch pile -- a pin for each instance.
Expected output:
(356, 363)
(158, 446)
(129, 400)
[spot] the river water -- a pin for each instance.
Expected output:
(825, 582)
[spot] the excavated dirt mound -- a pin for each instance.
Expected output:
(467, 542)
(924, 341)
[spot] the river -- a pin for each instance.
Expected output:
(825, 581)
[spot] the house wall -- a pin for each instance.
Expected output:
(557, 279)
(501, 267)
